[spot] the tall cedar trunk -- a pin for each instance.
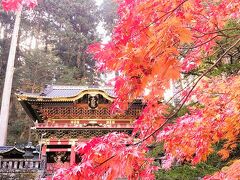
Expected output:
(4, 116)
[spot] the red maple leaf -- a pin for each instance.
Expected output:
(15, 5)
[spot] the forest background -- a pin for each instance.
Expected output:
(52, 50)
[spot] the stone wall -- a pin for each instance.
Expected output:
(21, 169)
(19, 175)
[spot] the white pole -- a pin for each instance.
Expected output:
(8, 81)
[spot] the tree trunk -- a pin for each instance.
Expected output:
(8, 82)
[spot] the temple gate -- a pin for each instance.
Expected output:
(65, 115)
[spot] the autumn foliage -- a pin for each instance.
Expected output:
(109, 157)
(153, 43)
(14, 5)
(215, 118)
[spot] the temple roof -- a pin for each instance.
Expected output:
(45, 105)
(60, 94)
(5, 148)
(10, 150)
(66, 93)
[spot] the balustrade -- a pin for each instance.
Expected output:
(19, 164)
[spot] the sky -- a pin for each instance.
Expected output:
(100, 28)
(99, 2)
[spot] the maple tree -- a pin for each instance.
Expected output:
(152, 44)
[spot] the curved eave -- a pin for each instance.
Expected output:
(30, 111)
(13, 149)
(28, 97)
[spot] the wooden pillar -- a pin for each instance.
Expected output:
(72, 155)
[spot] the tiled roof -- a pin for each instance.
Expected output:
(58, 91)
(5, 149)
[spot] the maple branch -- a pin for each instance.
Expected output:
(181, 90)
(108, 159)
(187, 96)
(178, 6)
(213, 32)
(198, 45)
